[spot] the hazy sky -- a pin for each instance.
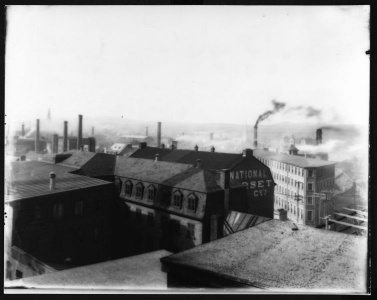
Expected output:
(191, 64)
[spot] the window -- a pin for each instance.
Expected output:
(37, 213)
(79, 207)
(310, 215)
(310, 200)
(150, 218)
(18, 274)
(192, 203)
(310, 173)
(191, 231)
(151, 193)
(58, 210)
(128, 188)
(165, 196)
(302, 215)
(177, 200)
(310, 186)
(139, 190)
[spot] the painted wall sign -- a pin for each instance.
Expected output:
(253, 179)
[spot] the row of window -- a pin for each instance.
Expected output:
(283, 166)
(288, 180)
(58, 210)
(292, 208)
(173, 224)
(192, 199)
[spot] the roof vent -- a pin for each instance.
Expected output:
(157, 157)
(198, 163)
(52, 181)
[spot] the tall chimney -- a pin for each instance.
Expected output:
(55, 142)
(159, 134)
(65, 137)
(319, 136)
(225, 185)
(37, 138)
(52, 181)
(79, 133)
(255, 137)
(92, 130)
(23, 130)
(146, 131)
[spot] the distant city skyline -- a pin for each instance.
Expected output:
(212, 64)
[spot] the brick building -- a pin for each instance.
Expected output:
(305, 177)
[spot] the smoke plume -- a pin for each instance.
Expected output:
(277, 107)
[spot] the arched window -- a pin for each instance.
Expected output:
(177, 200)
(139, 190)
(192, 202)
(151, 193)
(128, 188)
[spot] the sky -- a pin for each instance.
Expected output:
(205, 64)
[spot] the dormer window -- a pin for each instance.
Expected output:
(151, 193)
(139, 190)
(128, 188)
(177, 200)
(192, 202)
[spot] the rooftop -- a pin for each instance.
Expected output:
(141, 271)
(272, 256)
(294, 160)
(31, 178)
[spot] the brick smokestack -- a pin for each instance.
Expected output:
(79, 133)
(255, 137)
(23, 130)
(65, 137)
(159, 134)
(319, 137)
(55, 142)
(37, 133)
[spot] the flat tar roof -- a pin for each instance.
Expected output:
(130, 273)
(273, 256)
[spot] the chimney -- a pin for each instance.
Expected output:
(198, 163)
(196, 147)
(175, 143)
(52, 181)
(82, 148)
(65, 137)
(159, 134)
(319, 136)
(255, 137)
(212, 149)
(225, 185)
(247, 153)
(146, 131)
(79, 133)
(162, 145)
(23, 130)
(282, 214)
(37, 137)
(92, 130)
(172, 146)
(55, 143)
(142, 145)
(211, 136)
(157, 157)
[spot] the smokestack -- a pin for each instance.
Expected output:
(65, 137)
(225, 185)
(163, 146)
(146, 131)
(247, 153)
(79, 133)
(37, 138)
(55, 143)
(23, 130)
(52, 181)
(159, 134)
(92, 130)
(319, 136)
(255, 137)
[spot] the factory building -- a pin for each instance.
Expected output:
(302, 185)
(56, 217)
(244, 168)
(172, 206)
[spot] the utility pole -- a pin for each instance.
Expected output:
(298, 197)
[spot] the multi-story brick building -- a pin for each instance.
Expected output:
(172, 206)
(58, 217)
(303, 177)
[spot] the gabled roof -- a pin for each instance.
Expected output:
(101, 164)
(292, 148)
(294, 160)
(78, 158)
(31, 179)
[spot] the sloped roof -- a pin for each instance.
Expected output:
(147, 170)
(78, 158)
(292, 148)
(101, 164)
(274, 257)
(294, 160)
(31, 179)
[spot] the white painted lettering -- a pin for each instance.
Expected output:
(261, 184)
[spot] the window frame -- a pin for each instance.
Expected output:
(139, 190)
(310, 213)
(128, 188)
(177, 196)
(151, 191)
(58, 211)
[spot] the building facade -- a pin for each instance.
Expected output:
(304, 186)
